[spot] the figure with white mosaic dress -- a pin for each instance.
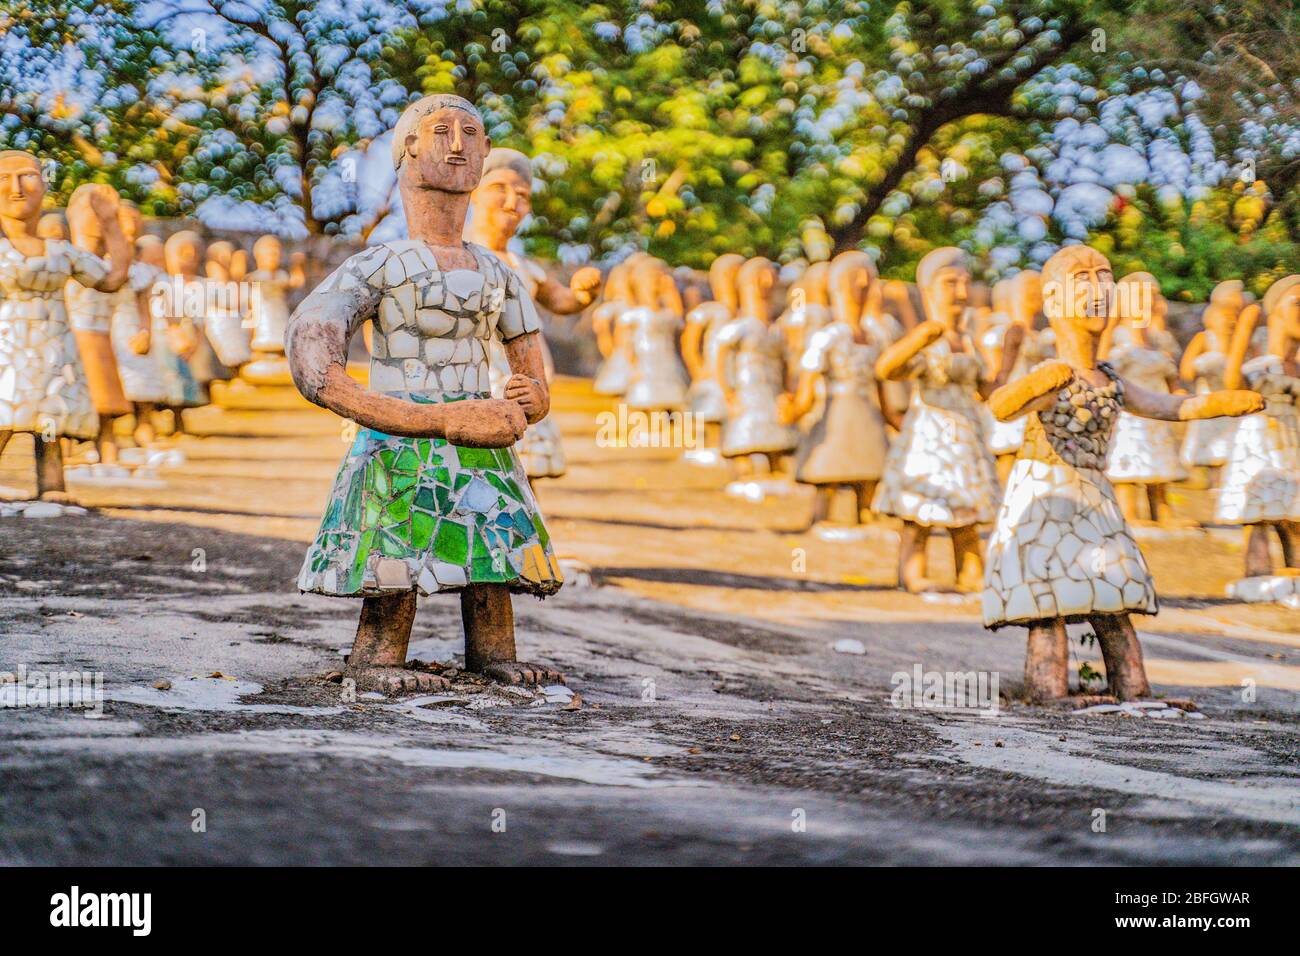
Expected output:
(90, 313)
(499, 205)
(431, 497)
(1261, 479)
(699, 339)
(939, 472)
(269, 308)
(1144, 452)
(808, 308)
(223, 319)
(750, 366)
(845, 447)
(616, 363)
(1017, 300)
(1061, 550)
(1207, 442)
(657, 380)
(43, 387)
(185, 309)
(170, 341)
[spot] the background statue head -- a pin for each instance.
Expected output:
(440, 143)
(1281, 306)
(503, 198)
(754, 284)
(943, 276)
(267, 253)
(182, 253)
(850, 278)
(84, 227)
(22, 187)
(722, 278)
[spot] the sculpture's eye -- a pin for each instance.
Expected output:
(441, 128)
(469, 130)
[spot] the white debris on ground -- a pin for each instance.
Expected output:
(848, 645)
(38, 509)
(1141, 708)
(1281, 589)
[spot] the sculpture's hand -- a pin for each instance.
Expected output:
(104, 204)
(1013, 399)
(585, 284)
(927, 333)
(1229, 403)
(139, 343)
(530, 396)
(483, 423)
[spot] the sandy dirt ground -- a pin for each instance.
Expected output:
(719, 718)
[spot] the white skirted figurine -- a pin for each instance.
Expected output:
(939, 472)
(699, 339)
(657, 380)
(1208, 442)
(1017, 300)
(1061, 551)
(616, 364)
(1144, 452)
(1261, 480)
(270, 312)
(845, 447)
(750, 366)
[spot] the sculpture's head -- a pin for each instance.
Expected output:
(84, 227)
(1136, 298)
(754, 283)
(943, 276)
(503, 198)
(646, 280)
(722, 278)
(816, 281)
(1227, 299)
(267, 253)
(22, 187)
(850, 278)
(1025, 296)
(217, 264)
(1078, 288)
(129, 220)
(52, 226)
(149, 250)
(1281, 305)
(440, 143)
(182, 253)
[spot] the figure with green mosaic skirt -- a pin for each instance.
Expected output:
(431, 495)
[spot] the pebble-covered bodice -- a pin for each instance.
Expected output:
(1079, 425)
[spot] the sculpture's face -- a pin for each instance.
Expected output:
(1078, 288)
(948, 295)
(267, 253)
(1029, 290)
(501, 202)
(183, 257)
(151, 252)
(22, 188)
(1289, 310)
(446, 151)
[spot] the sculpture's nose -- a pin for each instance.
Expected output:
(457, 143)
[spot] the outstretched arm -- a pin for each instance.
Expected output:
(1187, 366)
(892, 365)
(1180, 408)
(577, 295)
(1030, 393)
(1012, 341)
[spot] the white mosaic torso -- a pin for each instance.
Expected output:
(143, 376)
(42, 383)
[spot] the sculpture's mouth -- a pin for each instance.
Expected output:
(457, 160)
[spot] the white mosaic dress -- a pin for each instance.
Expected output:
(756, 373)
(421, 513)
(612, 376)
(142, 375)
(939, 471)
(225, 328)
(541, 449)
(847, 443)
(1208, 441)
(42, 383)
(1261, 480)
(1144, 450)
(657, 381)
(1061, 547)
(705, 396)
(270, 310)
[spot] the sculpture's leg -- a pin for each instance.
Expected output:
(105, 443)
(865, 490)
(49, 469)
(1125, 672)
(760, 464)
(5, 435)
(1258, 560)
(489, 621)
(912, 564)
(1126, 494)
(378, 658)
(823, 495)
(144, 433)
(968, 558)
(1286, 533)
(1047, 661)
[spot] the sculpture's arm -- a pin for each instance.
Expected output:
(1030, 393)
(1187, 366)
(693, 350)
(1240, 345)
(577, 295)
(527, 385)
(1012, 342)
(1181, 408)
(892, 365)
(804, 397)
(726, 344)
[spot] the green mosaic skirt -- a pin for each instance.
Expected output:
(423, 513)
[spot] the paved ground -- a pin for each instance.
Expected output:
(717, 724)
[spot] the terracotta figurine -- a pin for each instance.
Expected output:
(1208, 441)
(431, 497)
(1017, 300)
(699, 340)
(270, 312)
(657, 380)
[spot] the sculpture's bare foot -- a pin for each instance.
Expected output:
(395, 681)
(922, 585)
(522, 672)
(58, 497)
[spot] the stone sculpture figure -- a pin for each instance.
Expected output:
(431, 497)
(699, 340)
(43, 387)
(845, 447)
(616, 363)
(186, 310)
(1208, 441)
(223, 319)
(172, 339)
(1017, 300)
(500, 203)
(1061, 551)
(270, 312)
(90, 313)
(1143, 457)
(939, 472)
(750, 367)
(808, 309)
(1261, 479)
(657, 380)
